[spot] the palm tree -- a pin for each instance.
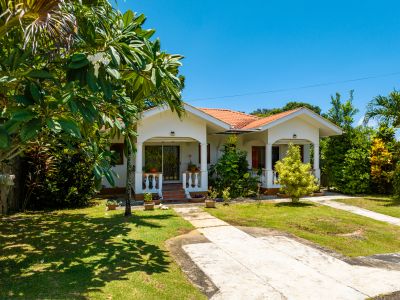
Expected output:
(385, 108)
(41, 21)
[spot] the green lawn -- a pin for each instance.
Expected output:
(383, 205)
(320, 224)
(91, 254)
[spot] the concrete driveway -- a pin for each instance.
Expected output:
(277, 267)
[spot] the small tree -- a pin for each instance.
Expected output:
(294, 176)
(381, 167)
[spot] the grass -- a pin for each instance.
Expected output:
(341, 231)
(383, 205)
(91, 254)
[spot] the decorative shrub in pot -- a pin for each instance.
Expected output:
(112, 204)
(212, 195)
(148, 201)
(197, 198)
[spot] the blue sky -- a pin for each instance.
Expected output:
(241, 47)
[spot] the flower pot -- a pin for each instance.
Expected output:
(318, 194)
(149, 206)
(157, 202)
(112, 206)
(153, 170)
(210, 203)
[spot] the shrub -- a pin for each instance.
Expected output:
(226, 196)
(381, 167)
(356, 172)
(231, 171)
(59, 176)
(396, 182)
(294, 176)
(148, 197)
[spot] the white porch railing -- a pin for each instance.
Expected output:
(191, 182)
(152, 183)
(266, 183)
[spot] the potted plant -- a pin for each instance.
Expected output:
(197, 198)
(111, 204)
(212, 195)
(192, 167)
(148, 201)
(318, 192)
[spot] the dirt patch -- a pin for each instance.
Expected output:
(358, 234)
(191, 270)
(368, 261)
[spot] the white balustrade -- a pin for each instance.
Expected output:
(191, 181)
(153, 183)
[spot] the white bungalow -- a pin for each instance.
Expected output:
(167, 145)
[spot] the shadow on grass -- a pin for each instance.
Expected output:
(291, 204)
(64, 255)
(388, 202)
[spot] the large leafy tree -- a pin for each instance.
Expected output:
(85, 71)
(265, 112)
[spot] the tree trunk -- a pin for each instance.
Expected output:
(6, 183)
(128, 198)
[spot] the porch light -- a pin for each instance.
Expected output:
(172, 133)
(295, 136)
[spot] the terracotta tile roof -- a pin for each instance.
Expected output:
(239, 120)
(264, 121)
(236, 119)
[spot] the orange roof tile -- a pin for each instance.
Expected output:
(239, 120)
(236, 119)
(264, 121)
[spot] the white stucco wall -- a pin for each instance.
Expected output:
(161, 125)
(286, 130)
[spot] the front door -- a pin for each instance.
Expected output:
(171, 163)
(164, 159)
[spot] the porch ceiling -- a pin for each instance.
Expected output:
(170, 139)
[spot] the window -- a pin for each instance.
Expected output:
(275, 156)
(118, 150)
(258, 157)
(208, 154)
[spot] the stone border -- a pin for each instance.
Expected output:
(195, 275)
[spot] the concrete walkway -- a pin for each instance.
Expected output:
(327, 200)
(277, 267)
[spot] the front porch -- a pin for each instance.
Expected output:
(177, 161)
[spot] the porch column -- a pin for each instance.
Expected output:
(317, 171)
(138, 168)
(268, 162)
(203, 166)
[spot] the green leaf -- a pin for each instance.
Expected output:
(115, 56)
(30, 130)
(23, 100)
(4, 139)
(40, 74)
(23, 115)
(35, 93)
(11, 126)
(128, 17)
(78, 61)
(114, 73)
(54, 125)
(70, 127)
